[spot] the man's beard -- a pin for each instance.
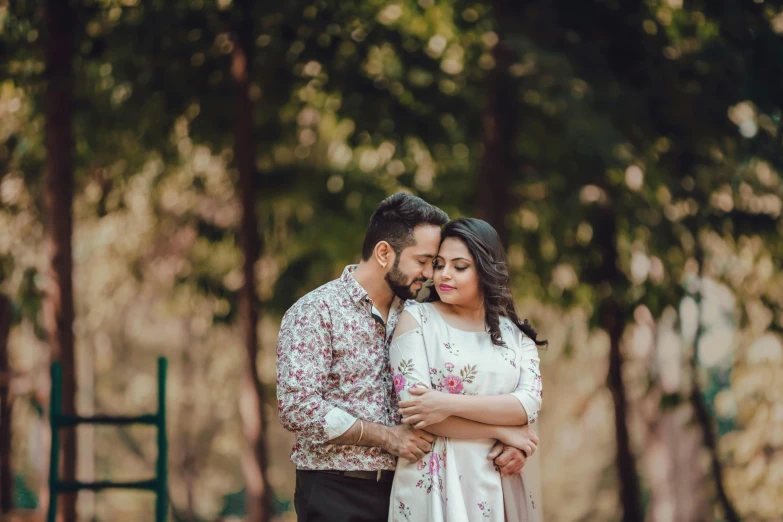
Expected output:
(399, 285)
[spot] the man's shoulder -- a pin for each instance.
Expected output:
(322, 298)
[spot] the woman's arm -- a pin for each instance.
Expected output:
(522, 437)
(428, 407)
(519, 407)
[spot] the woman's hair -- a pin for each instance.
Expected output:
(488, 253)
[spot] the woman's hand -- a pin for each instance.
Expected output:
(521, 437)
(425, 408)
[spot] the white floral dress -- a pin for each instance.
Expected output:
(456, 482)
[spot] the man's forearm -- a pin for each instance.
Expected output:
(375, 435)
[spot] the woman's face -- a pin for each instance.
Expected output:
(455, 275)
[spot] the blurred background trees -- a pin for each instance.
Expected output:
(224, 157)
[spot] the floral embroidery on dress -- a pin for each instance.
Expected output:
(537, 384)
(404, 510)
(486, 511)
(405, 368)
(509, 356)
(446, 381)
(430, 467)
(451, 348)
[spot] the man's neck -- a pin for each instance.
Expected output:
(375, 285)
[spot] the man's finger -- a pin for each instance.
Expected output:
(511, 469)
(424, 446)
(429, 437)
(504, 458)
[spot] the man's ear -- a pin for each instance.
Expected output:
(384, 254)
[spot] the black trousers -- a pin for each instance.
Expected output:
(325, 497)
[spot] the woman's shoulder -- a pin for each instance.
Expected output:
(511, 332)
(417, 309)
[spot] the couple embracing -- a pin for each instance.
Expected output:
(406, 410)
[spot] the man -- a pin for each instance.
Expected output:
(334, 385)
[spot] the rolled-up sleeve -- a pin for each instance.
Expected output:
(529, 388)
(304, 358)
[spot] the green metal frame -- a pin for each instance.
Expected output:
(58, 420)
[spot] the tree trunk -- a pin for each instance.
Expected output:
(497, 161)
(612, 319)
(6, 472)
(251, 400)
(701, 412)
(58, 194)
(675, 479)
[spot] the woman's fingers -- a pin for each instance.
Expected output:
(412, 419)
(497, 449)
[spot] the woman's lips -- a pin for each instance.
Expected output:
(446, 288)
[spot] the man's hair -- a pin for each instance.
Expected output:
(394, 220)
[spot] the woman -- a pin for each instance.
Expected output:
(467, 370)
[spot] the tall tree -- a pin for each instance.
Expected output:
(258, 500)
(498, 122)
(58, 193)
(6, 472)
(613, 317)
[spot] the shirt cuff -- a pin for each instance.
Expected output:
(337, 422)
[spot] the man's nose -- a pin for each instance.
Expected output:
(427, 272)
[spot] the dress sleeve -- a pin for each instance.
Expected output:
(408, 355)
(529, 390)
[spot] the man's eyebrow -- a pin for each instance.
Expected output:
(425, 255)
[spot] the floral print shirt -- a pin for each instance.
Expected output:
(332, 369)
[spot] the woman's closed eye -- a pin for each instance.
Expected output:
(458, 268)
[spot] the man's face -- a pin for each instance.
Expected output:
(414, 264)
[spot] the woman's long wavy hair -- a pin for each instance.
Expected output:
(488, 253)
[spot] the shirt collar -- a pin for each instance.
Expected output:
(360, 297)
(357, 294)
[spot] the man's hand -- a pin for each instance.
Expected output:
(508, 460)
(408, 443)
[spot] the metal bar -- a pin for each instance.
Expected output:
(73, 420)
(147, 485)
(55, 408)
(162, 501)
